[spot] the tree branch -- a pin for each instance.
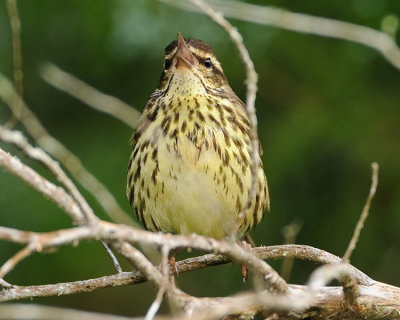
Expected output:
(364, 213)
(15, 25)
(251, 83)
(23, 311)
(304, 23)
(326, 298)
(13, 261)
(80, 90)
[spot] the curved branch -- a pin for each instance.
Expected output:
(300, 22)
(309, 253)
(103, 230)
(18, 75)
(374, 298)
(25, 311)
(327, 300)
(364, 213)
(14, 260)
(69, 236)
(89, 95)
(251, 84)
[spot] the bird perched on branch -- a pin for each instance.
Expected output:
(190, 166)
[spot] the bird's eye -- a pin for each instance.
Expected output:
(207, 63)
(167, 63)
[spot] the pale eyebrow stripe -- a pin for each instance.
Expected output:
(214, 61)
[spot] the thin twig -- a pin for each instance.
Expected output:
(15, 24)
(290, 233)
(14, 260)
(364, 213)
(375, 291)
(113, 232)
(155, 306)
(113, 257)
(23, 311)
(13, 293)
(65, 156)
(305, 23)
(251, 83)
(245, 305)
(64, 237)
(89, 95)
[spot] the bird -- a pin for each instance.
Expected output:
(190, 165)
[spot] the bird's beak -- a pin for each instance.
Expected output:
(183, 54)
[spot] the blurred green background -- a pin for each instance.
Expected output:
(326, 108)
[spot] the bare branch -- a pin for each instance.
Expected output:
(308, 253)
(13, 292)
(23, 311)
(39, 183)
(326, 298)
(16, 236)
(113, 257)
(246, 305)
(89, 95)
(65, 156)
(155, 306)
(251, 83)
(13, 261)
(300, 22)
(290, 233)
(64, 237)
(364, 213)
(15, 24)
(103, 230)
(108, 231)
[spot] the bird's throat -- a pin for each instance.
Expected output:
(185, 82)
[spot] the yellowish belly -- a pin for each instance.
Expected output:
(191, 195)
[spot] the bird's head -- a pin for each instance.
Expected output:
(191, 65)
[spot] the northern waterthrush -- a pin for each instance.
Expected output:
(189, 171)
